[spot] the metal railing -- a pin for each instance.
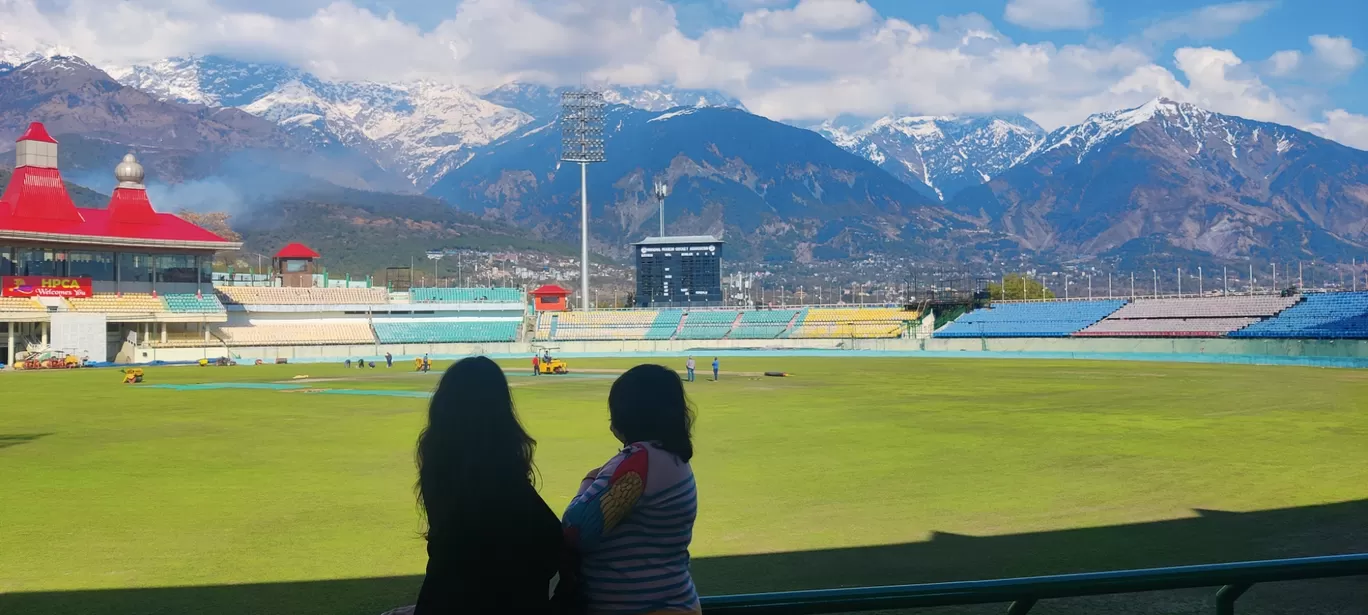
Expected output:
(1233, 579)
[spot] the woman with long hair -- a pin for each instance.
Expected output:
(493, 544)
(632, 519)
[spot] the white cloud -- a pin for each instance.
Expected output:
(1283, 63)
(1347, 128)
(1053, 14)
(1336, 52)
(1209, 22)
(813, 16)
(812, 61)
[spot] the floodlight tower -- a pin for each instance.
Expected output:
(661, 191)
(582, 142)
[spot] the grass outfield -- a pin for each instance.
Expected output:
(854, 471)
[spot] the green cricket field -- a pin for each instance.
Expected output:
(289, 488)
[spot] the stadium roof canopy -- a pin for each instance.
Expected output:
(297, 250)
(550, 289)
(655, 241)
(36, 208)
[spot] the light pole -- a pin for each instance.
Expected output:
(1180, 281)
(1199, 281)
(1156, 282)
(1066, 287)
(435, 256)
(582, 142)
(661, 191)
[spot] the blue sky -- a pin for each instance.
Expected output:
(1282, 25)
(1055, 61)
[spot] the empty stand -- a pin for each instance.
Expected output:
(1187, 317)
(762, 324)
(270, 295)
(852, 322)
(446, 332)
(1041, 319)
(665, 324)
(601, 325)
(1166, 327)
(128, 302)
(20, 304)
(297, 334)
(1318, 316)
(465, 295)
(707, 324)
(188, 303)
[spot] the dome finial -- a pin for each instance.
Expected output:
(129, 172)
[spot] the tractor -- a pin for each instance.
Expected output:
(133, 375)
(554, 366)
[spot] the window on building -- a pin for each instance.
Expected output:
(295, 266)
(135, 267)
(95, 265)
(176, 268)
(206, 268)
(6, 260)
(40, 261)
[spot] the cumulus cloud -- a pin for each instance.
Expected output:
(807, 60)
(1347, 128)
(1336, 52)
(1283, 63)
(1207, 23)
(1053, 14)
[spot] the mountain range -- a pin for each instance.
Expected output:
(1164, 177)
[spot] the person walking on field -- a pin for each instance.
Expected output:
(389, 360)
(536, 364)
(689, 365)
(715, 364)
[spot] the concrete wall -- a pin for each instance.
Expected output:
(1189, 346)
(1186, 349)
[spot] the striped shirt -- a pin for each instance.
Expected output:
(632, 523)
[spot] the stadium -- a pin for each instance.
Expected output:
(900, 448)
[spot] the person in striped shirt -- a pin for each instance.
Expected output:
(632, 520)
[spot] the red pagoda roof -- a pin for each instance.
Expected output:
(297, 250)
(550, 289)
(36, 132)
(36, 207)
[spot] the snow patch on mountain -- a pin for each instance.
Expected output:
(420, 130)
(942, 154)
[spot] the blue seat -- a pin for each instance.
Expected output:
(1039, 319)
(1318, 316)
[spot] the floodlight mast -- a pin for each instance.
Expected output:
(582, 142)
(662, 190)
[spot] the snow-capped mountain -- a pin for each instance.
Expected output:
(941, 155)
(1168, 176)
(543, 102)
(421, 130)
(773, 190)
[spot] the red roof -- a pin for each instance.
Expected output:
(130, 206)
(36, 132)
(38, 193)
(550, 289)
(297, 250)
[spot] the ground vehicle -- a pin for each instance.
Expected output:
(133, 375)
(554, 366)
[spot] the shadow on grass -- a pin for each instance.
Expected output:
(15, 439)
(1208, 537)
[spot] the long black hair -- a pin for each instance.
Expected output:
(647, 404)
(473, 443)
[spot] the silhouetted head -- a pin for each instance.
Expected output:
(473, 447)
(647, 404)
